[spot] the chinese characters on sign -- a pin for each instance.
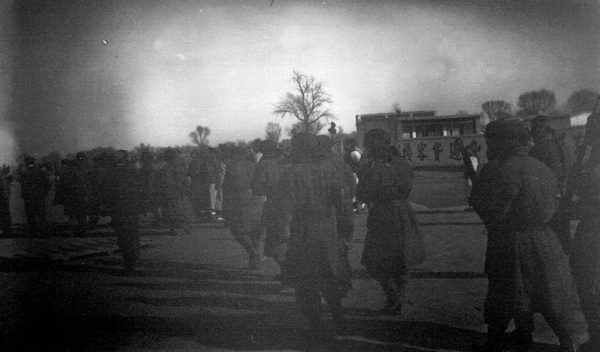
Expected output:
(423, 153)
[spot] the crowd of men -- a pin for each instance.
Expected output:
(297, 208)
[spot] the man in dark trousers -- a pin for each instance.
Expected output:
(34, 188)
(123, 203)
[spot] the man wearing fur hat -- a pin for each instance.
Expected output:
(515, 196)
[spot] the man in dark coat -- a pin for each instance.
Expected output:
(244, 207)
(585, 256)
(5, 218)
(76, 191)
(34, 188)
(393, 242)
(555, 154)
(172, 187)
(264, 183)
(122, 199)
(200, 180)
(515, 196)
(310, 198)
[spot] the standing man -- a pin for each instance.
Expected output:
(555, 154)
(393, 242)
(5, 218)
(76, 192)
(173, 188)
(352, 156)
(34, 188)
(264, 183)
(200, 180)
(528, 272)
(245, 208)
(585, 256)
(310, 198)
(123, 191)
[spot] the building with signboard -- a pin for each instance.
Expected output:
(425, 138)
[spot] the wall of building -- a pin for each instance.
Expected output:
(444, 152)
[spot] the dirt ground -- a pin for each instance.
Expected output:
(194, 293)
(438, 189)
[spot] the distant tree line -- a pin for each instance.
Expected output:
(541, 102)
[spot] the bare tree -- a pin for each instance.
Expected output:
(273, 132)
(582, 100)
(200, 136)
(308, 103)
(497, 109)
(539, 102)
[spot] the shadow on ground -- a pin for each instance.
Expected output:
(227, 308)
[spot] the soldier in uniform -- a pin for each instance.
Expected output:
(528, 272)
(585, 255)
(310, 199)
(393, 242)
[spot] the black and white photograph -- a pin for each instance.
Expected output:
(300, 175)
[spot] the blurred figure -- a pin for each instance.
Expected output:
(98, 176)
(266, 178)
(393, 242)
(475, 166)
(310, 198)
(244, 208)
(585, 256)
(553, 152)
(528, 272)
(200, 181)
(326, 154)
(217, 175)
(147, 179)
(172, 187)
(352, 157)
(122, 201)
(75, 190)
(34, 188)
(5, 218)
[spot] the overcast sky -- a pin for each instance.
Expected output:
(83, 74)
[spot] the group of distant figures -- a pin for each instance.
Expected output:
(298, 208)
